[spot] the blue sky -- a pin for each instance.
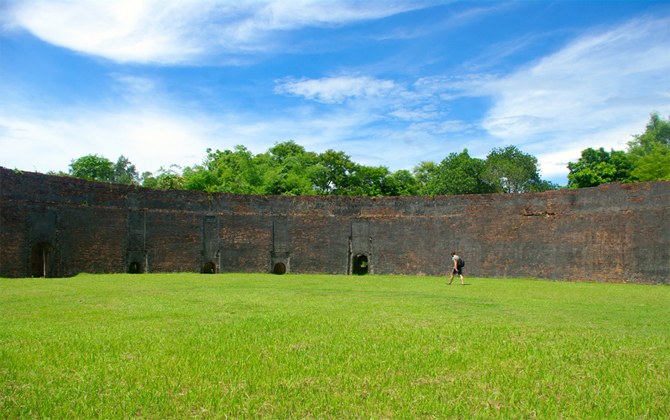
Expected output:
(391, 83)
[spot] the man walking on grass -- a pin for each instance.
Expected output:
(458, 268)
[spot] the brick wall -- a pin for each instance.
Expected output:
(612, 233)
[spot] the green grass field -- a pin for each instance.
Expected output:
(331, 347)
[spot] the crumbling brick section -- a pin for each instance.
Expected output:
(61, 226)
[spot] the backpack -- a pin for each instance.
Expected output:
(461, 262)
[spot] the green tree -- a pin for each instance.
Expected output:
(657, 133)
(237, 172)
(291, 178)
(509, 170)
(125, 172)
(198, 177)
(289, 149)
(148, 180)
(369, 181)
(650, 151)
(93, 168)
(169, 178)
(597, 167)
(654, 166)
(334, 173)
(401, 182)
(202, 177)
(287, 169)
(458, 173)
(424, 173)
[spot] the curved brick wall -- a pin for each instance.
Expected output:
(612, 233)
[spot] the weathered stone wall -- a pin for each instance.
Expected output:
(62, 226)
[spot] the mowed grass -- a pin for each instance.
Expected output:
(331, 347)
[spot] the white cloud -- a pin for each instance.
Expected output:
(335, 90)
(442, 127)
(151, 138)
(122, 30)
(181, 31)
(135, 84)
(164, 134)
(418, 114)
(594, 81)
(366, 95)
(595, 92)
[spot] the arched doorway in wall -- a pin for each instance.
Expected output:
(135, 267)
(279, 268)
(209, 268)
(39, 260)
(360, 265)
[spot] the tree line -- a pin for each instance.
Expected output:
(647, 158)
(288, 169)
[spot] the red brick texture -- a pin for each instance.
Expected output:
(64, 226)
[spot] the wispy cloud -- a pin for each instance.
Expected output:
(451, 21)
(159, 132)
(595, 91)
(601, 85)
(151, 137)
(182, 31)
(336, 89)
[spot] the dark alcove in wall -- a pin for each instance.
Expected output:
(39, 260)
(209, 268)
(361, 265)
(135, 267)
(279, 268)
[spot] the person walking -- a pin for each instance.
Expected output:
(458, 268)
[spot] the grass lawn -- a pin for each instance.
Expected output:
(331, 347)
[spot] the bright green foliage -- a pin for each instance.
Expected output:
(99, 168)
(653, 166)
(125, 172)
(509, 170)
(597, 167)
(285, 169)
(237, 172)
(288, 169)
(93, 168)
(656, 134)
(281, 152)
(401, 182)
(148, 180)
(371, 181)
(424, 173)
(169, 178)
(262, 346)
(334, 173)
(458, 173)
(651, 150)
(647, 159)
(200, 178)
